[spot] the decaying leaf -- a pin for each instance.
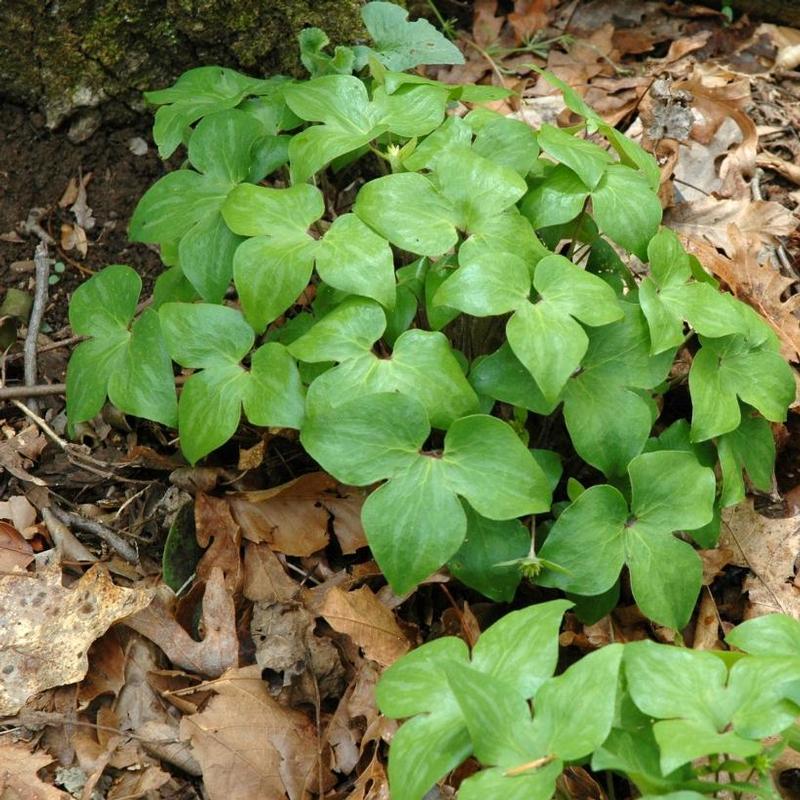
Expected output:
(47, 628)
(770, 549)
(285, 642)
(18, 453)
(250, 746)
(367, 622)
(18, 778)
(219, 648)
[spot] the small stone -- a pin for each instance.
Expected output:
(137, 146)
(84, 126)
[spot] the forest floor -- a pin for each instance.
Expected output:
(279, 585)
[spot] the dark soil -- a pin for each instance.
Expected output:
(36, 166)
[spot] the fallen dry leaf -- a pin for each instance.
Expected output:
(769, 548)
(47, 628)
(530, 16)
(706, 631)
(250, 746)
(286, 645)
(219, 648)
(217, 532)
(264, 576)
(73, 237)
(15, 551)
(18, 778)
(371, 784)
(788, 169)
(293, 518)
(367, 622)
(19, 512)
(18, 453)
(709, 221)
(137, 784)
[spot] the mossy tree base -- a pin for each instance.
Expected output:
(75, 54)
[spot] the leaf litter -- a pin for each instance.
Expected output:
(255, 678)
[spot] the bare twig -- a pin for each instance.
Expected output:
(42, 263)
(40, 390)
(111, 538)
(46, 348)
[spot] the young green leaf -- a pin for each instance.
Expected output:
(422, 364)
(751, 449)
(215, 339)
(483, 461)
(312, 43)
(668, 297)
(399, 44)
(608, 416)
(557, 197)
(732, 367)
(770, 635)
(586, 159)
(545, 336)
(198, 93)
(185, 205)
(626, 209)
(479, 562)
(128, 362)
(596, 535)
(520, 651)
(407, 210)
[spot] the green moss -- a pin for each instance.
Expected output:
(86, 53)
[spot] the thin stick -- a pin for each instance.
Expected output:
(42, 264)
(46, 348)
(40, 390)
(49, 389)
(111, 538)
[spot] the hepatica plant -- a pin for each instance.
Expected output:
(420, 290)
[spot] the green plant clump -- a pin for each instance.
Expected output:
(474, 296)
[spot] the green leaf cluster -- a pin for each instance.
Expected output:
(666, 718)
(424, 288)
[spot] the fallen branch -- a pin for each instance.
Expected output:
(42, 264)
(40, 390)
(110, 537)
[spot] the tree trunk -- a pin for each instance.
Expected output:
(79, 56)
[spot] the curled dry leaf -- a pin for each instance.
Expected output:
(218, 650)
(15, 551)
(19, 512)
(770, 549)
(250, 746)
(367, 622)
(47, 628)
(217, 531)
(293, 518)
(713, 105)
(18, 778)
